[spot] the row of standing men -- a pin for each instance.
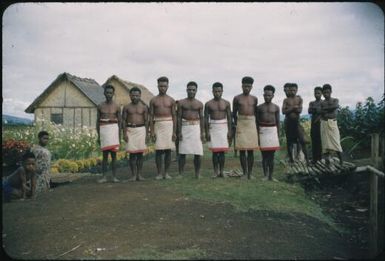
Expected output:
(187, 123)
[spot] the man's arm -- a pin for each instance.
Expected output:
(179, 120)
(285, 107)
(206, 117)
(311, 110)
(334, 105)
(235, 111)
(146, 123)
(201, 121)
(277, 116)
(124, 123)
(298, 109)
(255, 106)
(258, 111)
(174, 120)
(119, 117)
(151, 119)
(229, 122)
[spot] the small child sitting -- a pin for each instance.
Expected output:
(22, 182)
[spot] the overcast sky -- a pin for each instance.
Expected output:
(307, 43)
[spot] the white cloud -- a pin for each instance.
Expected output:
(307, 43)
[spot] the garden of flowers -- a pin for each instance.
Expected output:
(73, 150)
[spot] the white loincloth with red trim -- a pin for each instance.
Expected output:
(191, 142)
(218, 136)
(330, 136)
(163, 128)
(109, 136)
(246, 135)
(268, 138)
(136, 140)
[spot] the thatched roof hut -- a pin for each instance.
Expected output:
(122, 89)
(68, 100)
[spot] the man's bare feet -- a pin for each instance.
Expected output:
(102, 180)
(139, 178)
(133, 178)
(167, 176)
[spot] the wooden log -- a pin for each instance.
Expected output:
(375, 149)
(349, 164)
(320, 169)
(373, 216)
(289, 170)
(323, 166)
(299, 168)
(304, 166)
(333, 168)
(314, 170)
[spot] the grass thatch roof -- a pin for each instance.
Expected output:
(89, 87)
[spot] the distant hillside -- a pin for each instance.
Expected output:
(12, 120)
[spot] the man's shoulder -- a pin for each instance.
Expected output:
(209, 102)
(238, 96)
(276, 105)
(198, 102)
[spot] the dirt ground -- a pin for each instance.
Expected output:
(86, 220)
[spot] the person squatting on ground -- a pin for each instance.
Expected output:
(22, 182)
(217, 116)
(108, 124)
(190, 129)
(268, 130)
(330, 134)
(163, 127)
(315, 131)
(291, 108)
(136, 134)
(43, 162)
(246, 135)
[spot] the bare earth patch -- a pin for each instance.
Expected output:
(144, 220)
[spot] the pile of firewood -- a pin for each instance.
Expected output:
(320, 168)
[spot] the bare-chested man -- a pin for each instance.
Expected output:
(330, 134)
(136, 135)
(190, 129)
(108, 129)
(315, 131)
(163, 127)
(291, 108)
(218, 128)
(246, 135)
(268, 129)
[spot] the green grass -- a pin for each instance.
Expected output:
(246, 195)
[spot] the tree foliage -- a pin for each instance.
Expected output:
(367, 118)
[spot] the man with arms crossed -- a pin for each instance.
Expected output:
(163, 126)
(330, 134)
(291, 108)
(190, 129)
(218, 128)
(246, 135)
